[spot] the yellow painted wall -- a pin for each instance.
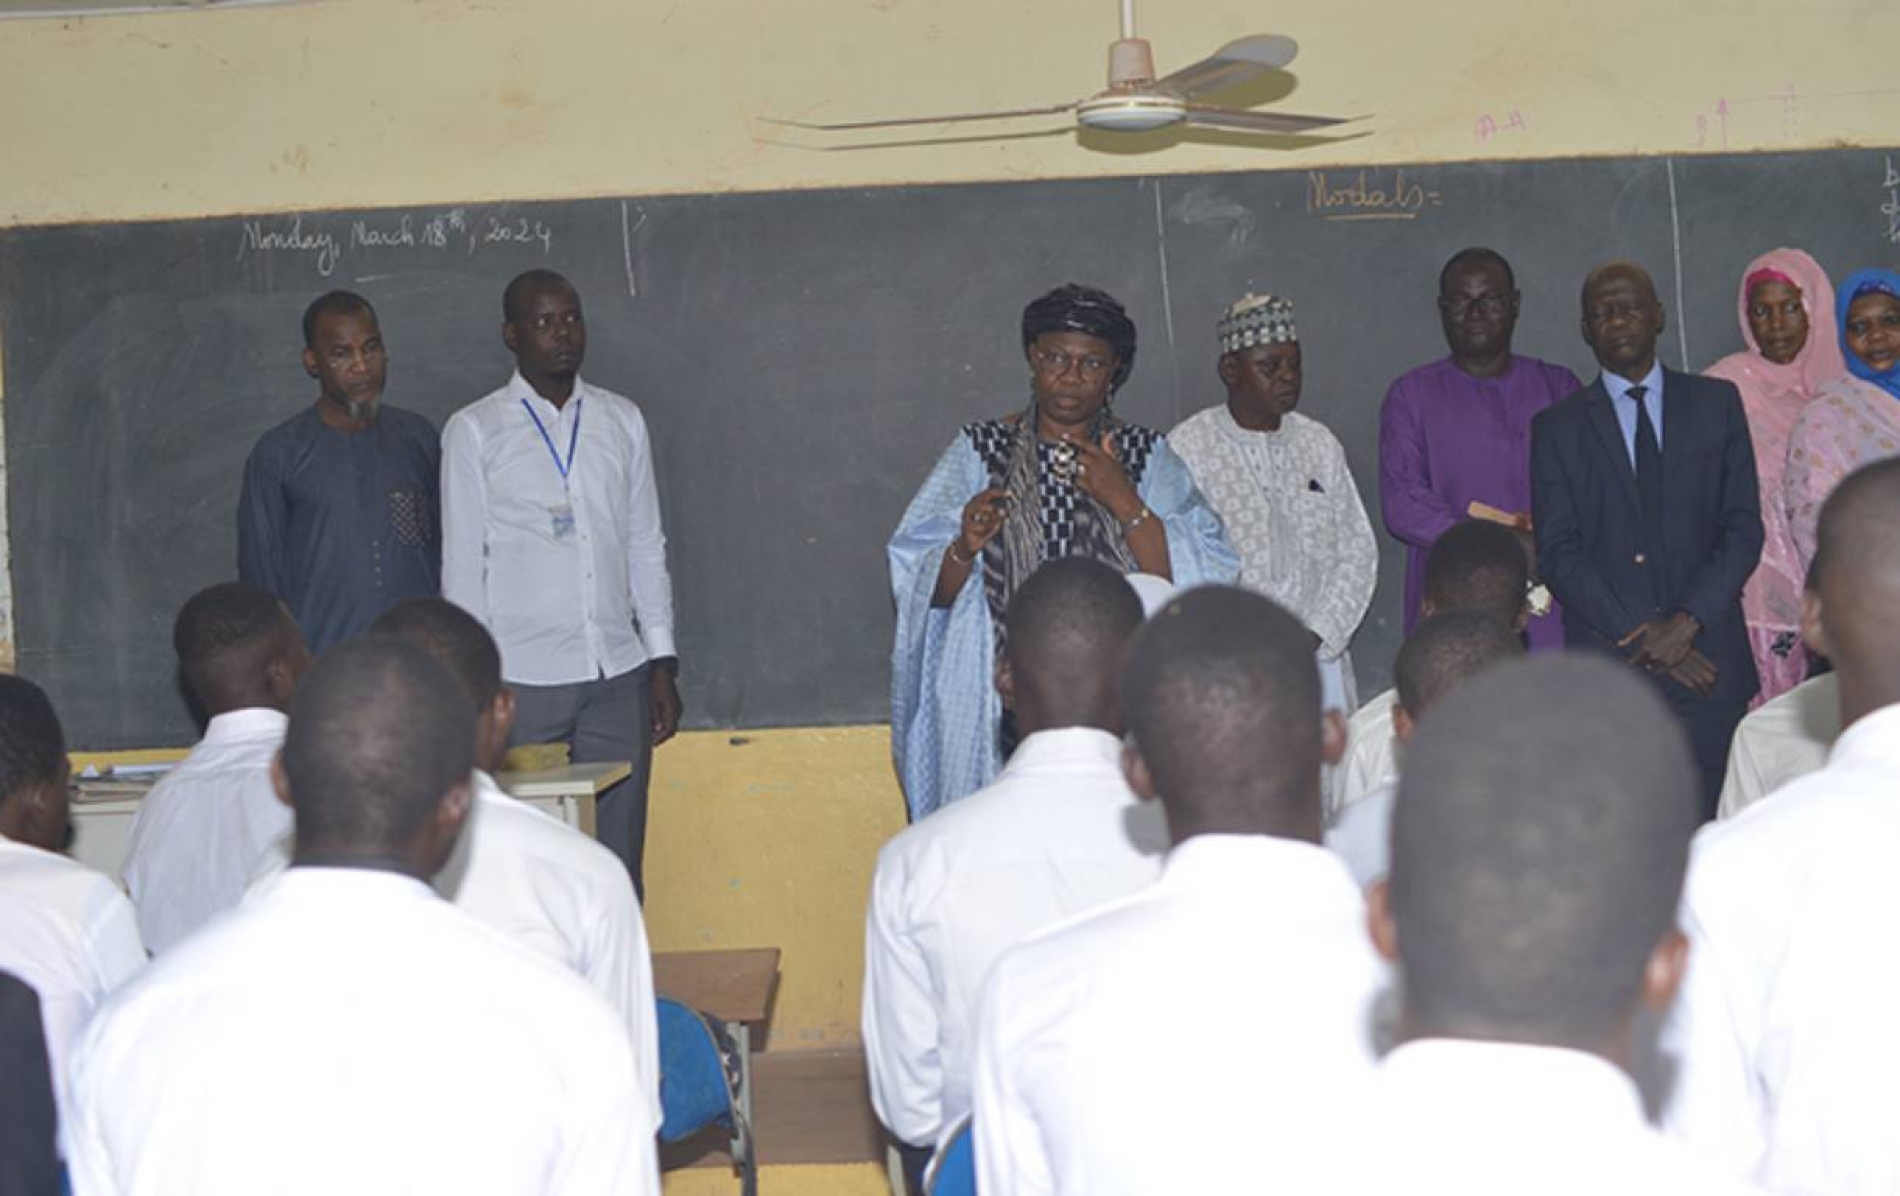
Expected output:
(370, 102)
(396, 102)
(767, 839)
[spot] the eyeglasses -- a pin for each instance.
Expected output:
(1056, 363)
(1491, 303)
(1613, 310)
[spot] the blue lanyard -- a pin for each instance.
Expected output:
(573, 437)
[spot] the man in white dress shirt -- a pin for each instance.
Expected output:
(1281, 485)
(1172, 1040)
(533, 877)
(551, 537)
(1474, 566)
(1059, 831)
(64, 929)
(345, 1029)
(1786, 1040)
(1443, 652)
(1538, 848)
(201, 830)
(1784, 738)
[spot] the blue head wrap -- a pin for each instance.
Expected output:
(1867, 282)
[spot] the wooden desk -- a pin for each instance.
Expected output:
(735, 987)
(569, 792)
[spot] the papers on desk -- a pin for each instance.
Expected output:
(118, 782)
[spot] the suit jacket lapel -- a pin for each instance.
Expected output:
(1602, 416)
(1676, 417)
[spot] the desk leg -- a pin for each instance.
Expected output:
(742, 1034)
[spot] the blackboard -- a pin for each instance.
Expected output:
(802, 358)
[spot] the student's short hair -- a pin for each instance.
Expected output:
(333, 303)
(1447, 650)
(379, 732)
(1539, 841)
(1222, 697)
(518, 287)
(1072, 619)
(1476, 255)
(226, 627)
(32, 745)
(454, 637)
(1478, 566)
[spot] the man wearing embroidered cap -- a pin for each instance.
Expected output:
(1280, 483)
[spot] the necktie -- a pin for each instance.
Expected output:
(1648, 461)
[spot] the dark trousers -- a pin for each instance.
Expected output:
(605, 720)
(1711, 724)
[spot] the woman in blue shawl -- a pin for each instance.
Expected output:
(1854, 420)
(1063, 477)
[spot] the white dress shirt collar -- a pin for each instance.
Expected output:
(1064, 748)
(251, 722)
(1506, 1082)
(1619, 386)
(1874, 738)
(519, 388)
(1263, 861)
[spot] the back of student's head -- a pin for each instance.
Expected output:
(1478, 566)
(1069, 627)
(455, 638)
(1222, 698)
(1539, 841)
(379, 732)
(32, 745)
(1446, 650)
(226, 637)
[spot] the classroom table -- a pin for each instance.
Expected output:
(104, 811)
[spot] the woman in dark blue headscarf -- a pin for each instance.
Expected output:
(1062, 477)
(1856, 418)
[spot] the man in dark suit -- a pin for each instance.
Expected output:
(1648, 519)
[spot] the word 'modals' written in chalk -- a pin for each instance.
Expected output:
(1369, 195)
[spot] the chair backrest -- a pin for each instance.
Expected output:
(953, 1171)
(694, 1088)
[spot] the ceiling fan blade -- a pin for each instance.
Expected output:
(919, 120)
(1235, 63)
(1261, 122)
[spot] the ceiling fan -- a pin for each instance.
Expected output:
(1137, 101)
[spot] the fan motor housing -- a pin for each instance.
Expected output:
(1131, 111)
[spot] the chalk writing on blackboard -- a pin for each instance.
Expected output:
(1368, 195)
(1891, 209)
(326, 244)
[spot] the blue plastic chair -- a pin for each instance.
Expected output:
(953, 1171)
(699, 1084)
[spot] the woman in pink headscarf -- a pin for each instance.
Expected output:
(1787, 310)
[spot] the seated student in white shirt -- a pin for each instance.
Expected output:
(1784, 738)
(345, 1029)
(534, 878)
(64, 929)
(1786, 1041)
(1146, 1045)
(1059, 831)
(1538, 848)
(1443, 652)
(200, 831)
(1475, 566)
